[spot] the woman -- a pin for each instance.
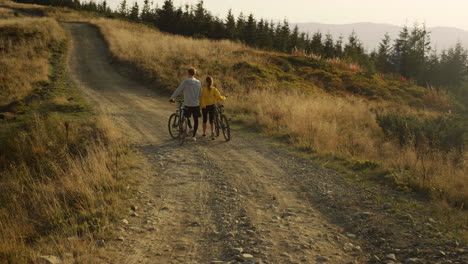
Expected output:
(210, 97)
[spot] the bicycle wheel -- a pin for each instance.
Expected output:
(225, 127)
(216, 124)
(173, 125)
(183, 129)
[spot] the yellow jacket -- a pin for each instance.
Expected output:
(210, 97)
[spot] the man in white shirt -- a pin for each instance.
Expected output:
(191, 87)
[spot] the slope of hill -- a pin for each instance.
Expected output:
(371, 33)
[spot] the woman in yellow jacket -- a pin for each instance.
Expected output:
(210, 96)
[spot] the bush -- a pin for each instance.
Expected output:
(441, 133)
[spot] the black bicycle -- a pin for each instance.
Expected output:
(221, 122)
(178, 123)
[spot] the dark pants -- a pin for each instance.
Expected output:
(208, 111)
(195, 112)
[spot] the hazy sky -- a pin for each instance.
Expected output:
(452, 13)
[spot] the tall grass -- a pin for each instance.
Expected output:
(61, 168)
(6, 13)
(348, 127)
(58, 179)
(345, 126)
(25, 48)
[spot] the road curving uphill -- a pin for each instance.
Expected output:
(246, 200)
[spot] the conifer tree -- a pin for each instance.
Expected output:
(382, 57)
(250, 31)
(123, 11)
(454, 64)
(353, 49)
(294, 43)
(316, 43)
(146, 12)
(240, 27)
(328, 46)
(339, 47)
(165, 16)
(230, 25)
(135, 12)
(400, 52)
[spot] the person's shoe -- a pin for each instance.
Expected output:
(194, 138)
(203, 136)
(212, 136)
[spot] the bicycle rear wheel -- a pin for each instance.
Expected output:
(225, 127)
(173, 125)
(183, 130)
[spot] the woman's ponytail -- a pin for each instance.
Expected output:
(209, 81)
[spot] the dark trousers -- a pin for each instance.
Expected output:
(208, 112)
(195, 112)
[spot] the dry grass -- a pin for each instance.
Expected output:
(9, 4)
(25, 50)
(160, 54)
(61, 173)
(59, 179)
(6, 13)
(437, 99)
(348, 127)
(343, 126)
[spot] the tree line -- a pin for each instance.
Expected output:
(409, 55)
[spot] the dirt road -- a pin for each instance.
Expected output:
(246, 201)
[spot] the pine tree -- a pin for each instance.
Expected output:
(382, 57)
(250, 31)
(261, 33)
(353, 49)
(146, 15)
(230, 25)
(123, 11)
(339, 47)
(454, 68)
(166, 16)
(316, 44)
(103, 8)
(400, 52)
(328, 46)
(419, 47)
(433, 73)
(294, 43)
(240, 27)
(135, 12)
(282, 36)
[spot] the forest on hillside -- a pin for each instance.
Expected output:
(409, 57)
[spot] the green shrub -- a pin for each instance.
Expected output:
(441, 133)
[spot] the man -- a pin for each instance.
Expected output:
(191, 87)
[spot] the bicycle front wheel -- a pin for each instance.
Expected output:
(183, 130)
(216, 124)
(225, 127)
(173, 125)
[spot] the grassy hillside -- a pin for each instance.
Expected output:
(61, 166)
(325, 106)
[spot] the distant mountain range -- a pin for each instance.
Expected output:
(371, 34)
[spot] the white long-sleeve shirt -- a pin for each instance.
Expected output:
(191, 87)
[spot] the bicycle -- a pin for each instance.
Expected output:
(178, 123)
(221, 122)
